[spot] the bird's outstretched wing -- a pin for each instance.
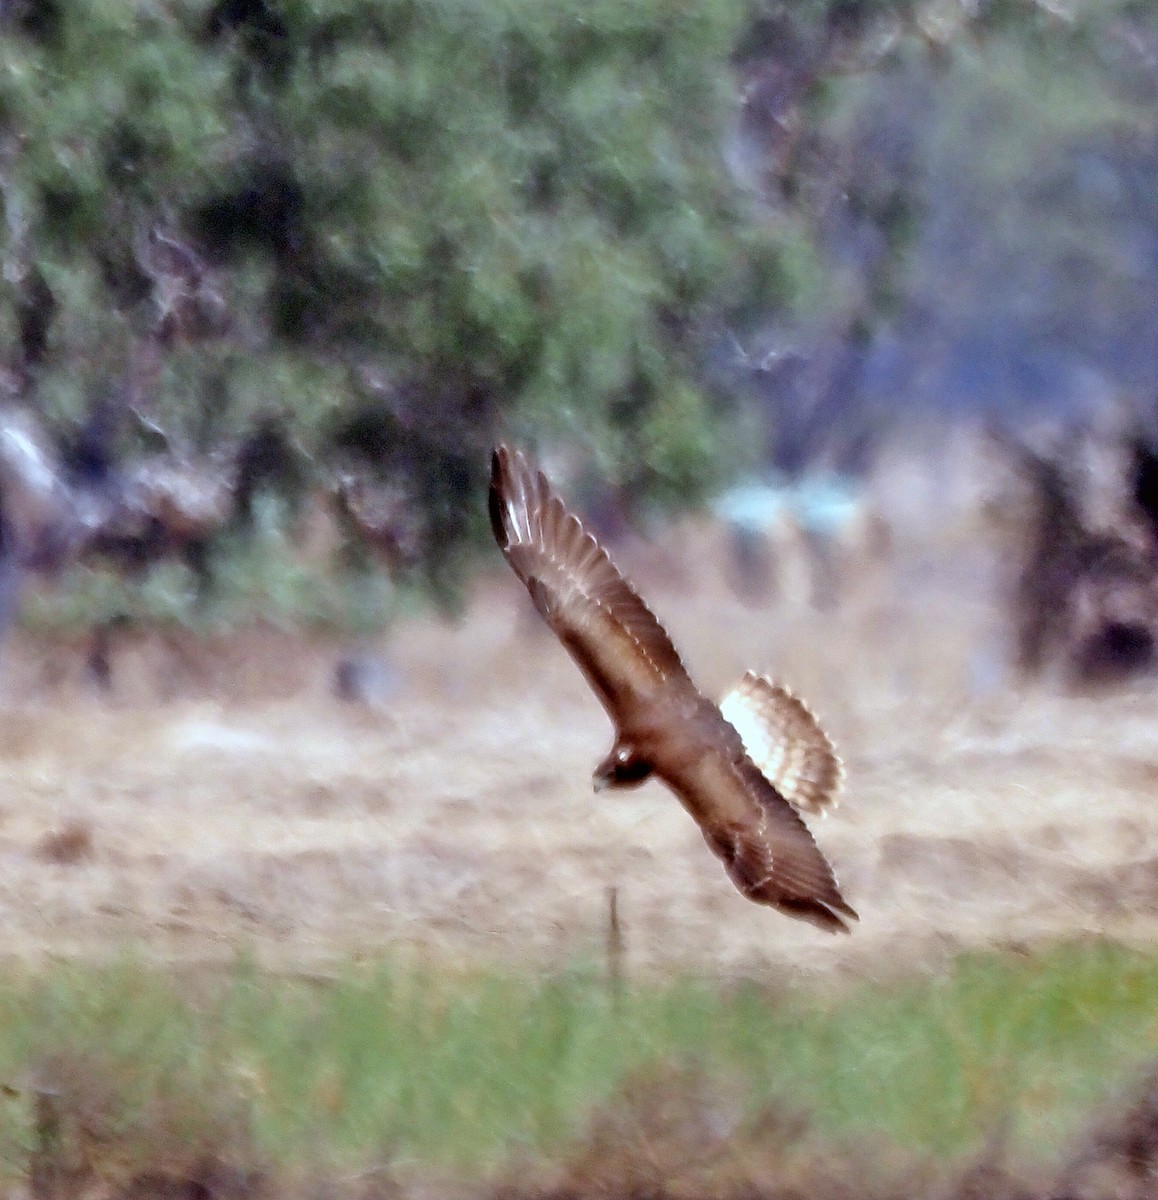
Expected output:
(766, 848)
(785, 740)
(619, 645)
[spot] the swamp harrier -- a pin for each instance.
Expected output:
(741, 769)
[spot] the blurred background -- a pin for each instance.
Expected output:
(837, 321)
(295, 256)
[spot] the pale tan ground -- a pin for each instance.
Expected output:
(233, 802)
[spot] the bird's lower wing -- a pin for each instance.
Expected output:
(766, 848)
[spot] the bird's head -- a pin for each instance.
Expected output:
(622, 768)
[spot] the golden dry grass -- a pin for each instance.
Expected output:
(224, 798)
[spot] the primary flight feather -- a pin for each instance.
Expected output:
(736, 787)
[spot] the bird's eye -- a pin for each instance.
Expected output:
(623, 755)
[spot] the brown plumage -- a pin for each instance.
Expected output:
(664, 726)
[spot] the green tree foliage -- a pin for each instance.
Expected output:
(403, 229)
(419, 225)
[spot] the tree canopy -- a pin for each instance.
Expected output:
(404, 228)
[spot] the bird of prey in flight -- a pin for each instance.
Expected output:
(742, 769)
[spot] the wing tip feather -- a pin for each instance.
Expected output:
(827, 909)
(515, 498)
(496, 505)
(832, 915)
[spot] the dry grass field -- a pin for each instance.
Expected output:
(225, 799)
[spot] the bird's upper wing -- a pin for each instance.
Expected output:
(766, 848)
(613, 636)
(784, 739)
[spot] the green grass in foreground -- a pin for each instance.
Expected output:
(462, 1070)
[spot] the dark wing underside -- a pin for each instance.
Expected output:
(619, 645)
(766, 848)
